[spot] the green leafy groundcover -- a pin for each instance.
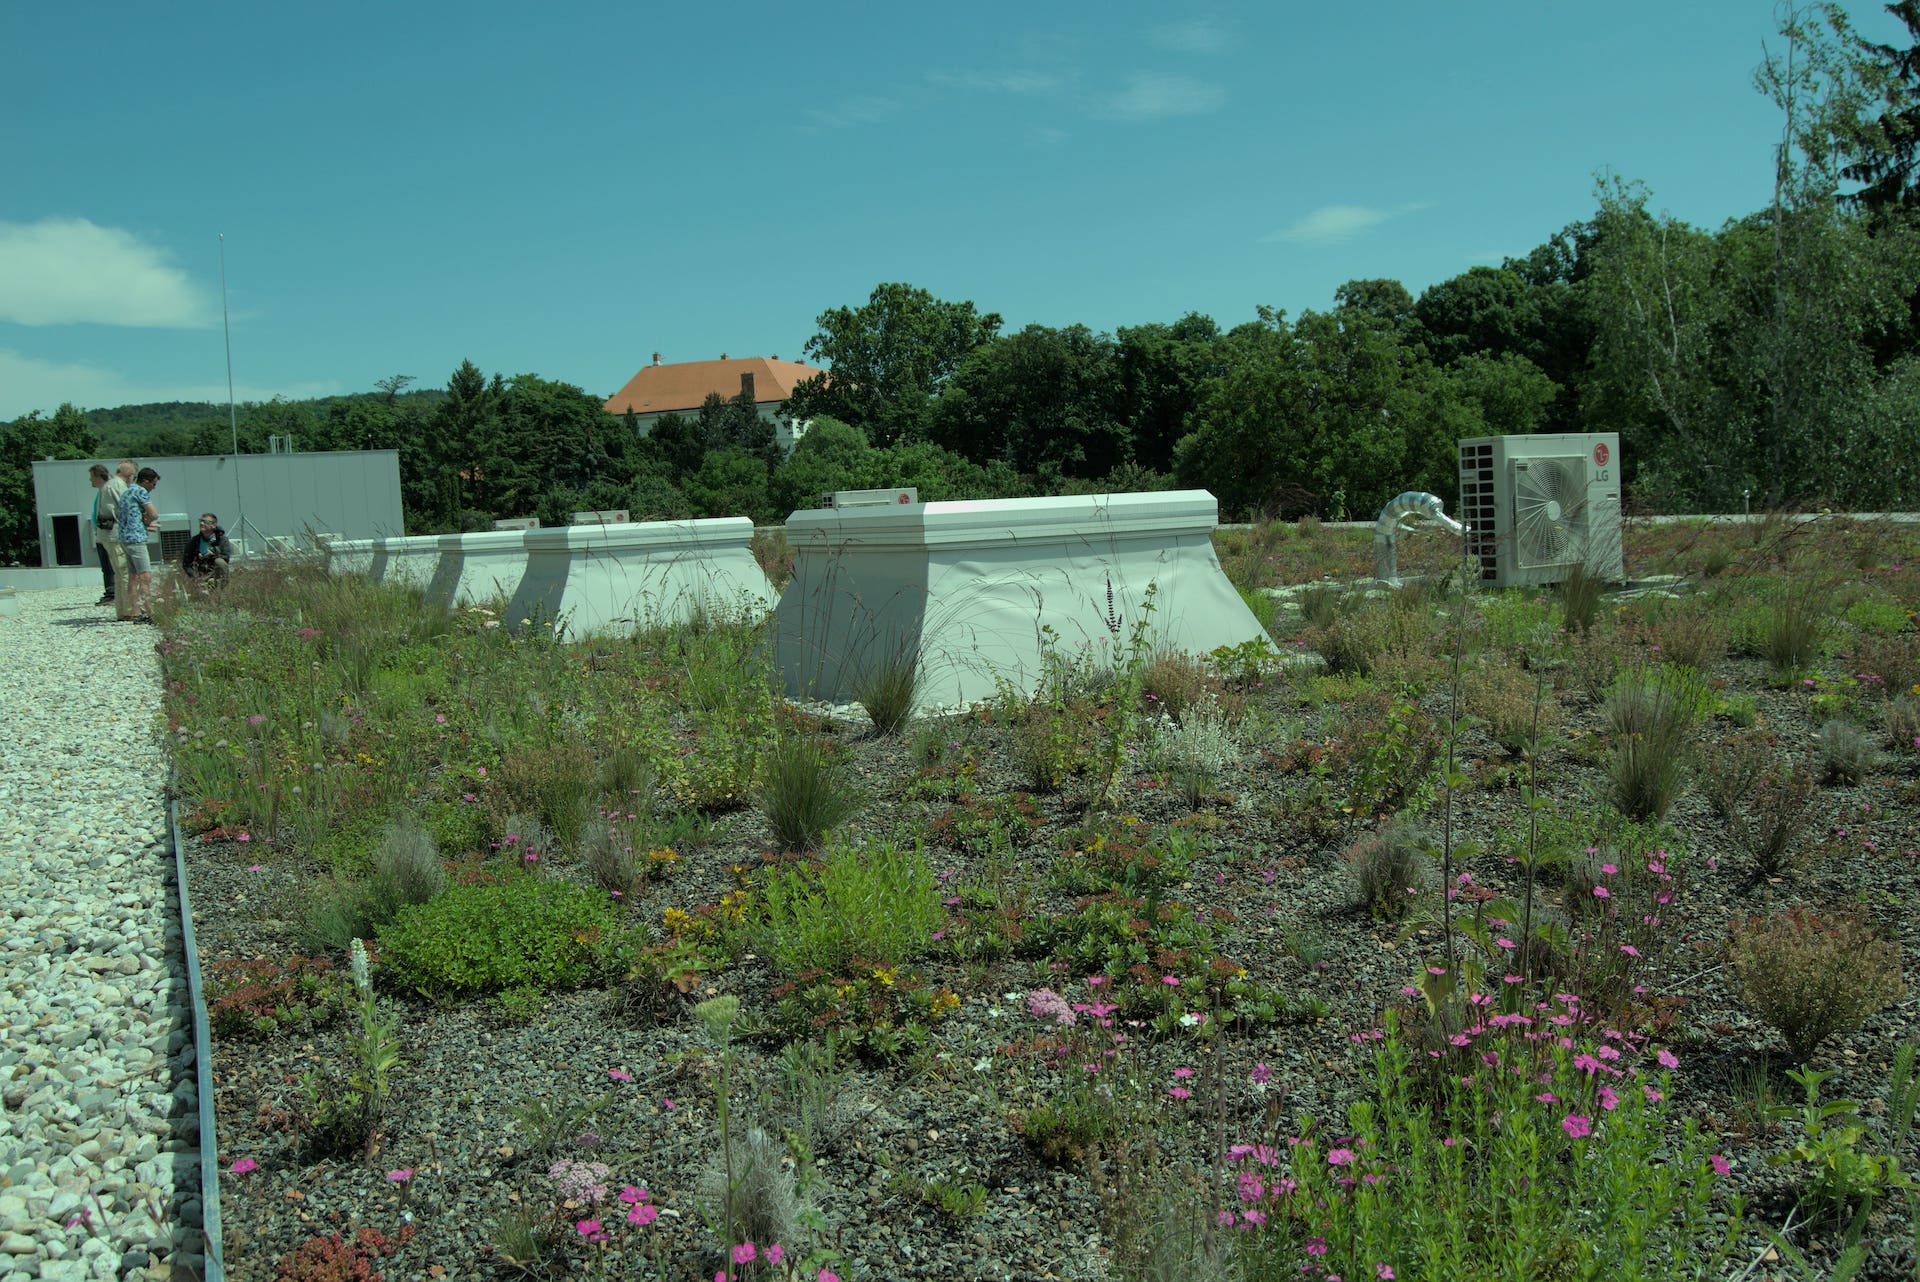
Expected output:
(511, 933)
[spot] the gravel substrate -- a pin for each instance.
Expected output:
(99, 1174)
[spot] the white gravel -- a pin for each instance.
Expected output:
(99, 1174)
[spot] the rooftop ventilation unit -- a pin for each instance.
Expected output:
(900, 497)
(1537, 506)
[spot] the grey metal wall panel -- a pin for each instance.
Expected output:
(352, 493)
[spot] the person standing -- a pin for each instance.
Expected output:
(107, 490)
(138, 518)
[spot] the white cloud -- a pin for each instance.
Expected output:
(1008, 82)
(1331, 224)
(67, 271)
(28, 383)
(1158, 95)
(1196, 35)
(865, 109)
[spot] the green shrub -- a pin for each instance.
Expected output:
(1889, 665)
(1773, 817)
(1903, 722)
(1810, 976)
(1688, 635)
(1877, 615)
(1517, 710)
(875, 902)
(1732, 767)
(1515, 620)
(516, 931)
(556, 783)
(805, 791)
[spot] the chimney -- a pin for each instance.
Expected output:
(746, 387)
(723, 356)
(656, 358)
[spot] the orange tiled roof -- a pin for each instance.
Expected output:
(684, 387)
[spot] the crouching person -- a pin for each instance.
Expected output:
(207, 554)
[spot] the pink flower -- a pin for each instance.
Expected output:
(1094, 981)
(1384, 1272)
(1608, 869)
(1183, 1072)
(1506, 943)
(1608, 1100)
(1653, 1096)
(1172, 981)
(242, 1166)
(1316, 1246)
(245, 836)
(1576, 1126)
(1262, 1074)
(1340, 1157)
(632, 1195)
(1178, 1092)
(1601, 892)
(775, 1253)
(827, 1276)
(1720, 1164)
(1224, 1219)
(620, 1075)
(745, 1253)
(1667, 1058)
(590, 1230)
(643, 1215)
(401, 1176)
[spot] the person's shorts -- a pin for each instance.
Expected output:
(138, 561)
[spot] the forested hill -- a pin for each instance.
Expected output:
(173, 428)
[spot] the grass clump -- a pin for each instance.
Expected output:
(876, 903)
(1847, 753)
(888, 688)
(1580, 594)
(1387, 870)
(511, 932)
(1651, 714)
(1811, 975)
(804, 791)
(1794, 635)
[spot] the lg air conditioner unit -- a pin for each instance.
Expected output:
(1537, 506)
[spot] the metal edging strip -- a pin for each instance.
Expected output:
(216, 1268)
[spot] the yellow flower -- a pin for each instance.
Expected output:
(676, 920)
(884, 975)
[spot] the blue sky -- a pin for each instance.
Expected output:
(566, 189)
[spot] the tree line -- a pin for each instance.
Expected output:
(1772, 360)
